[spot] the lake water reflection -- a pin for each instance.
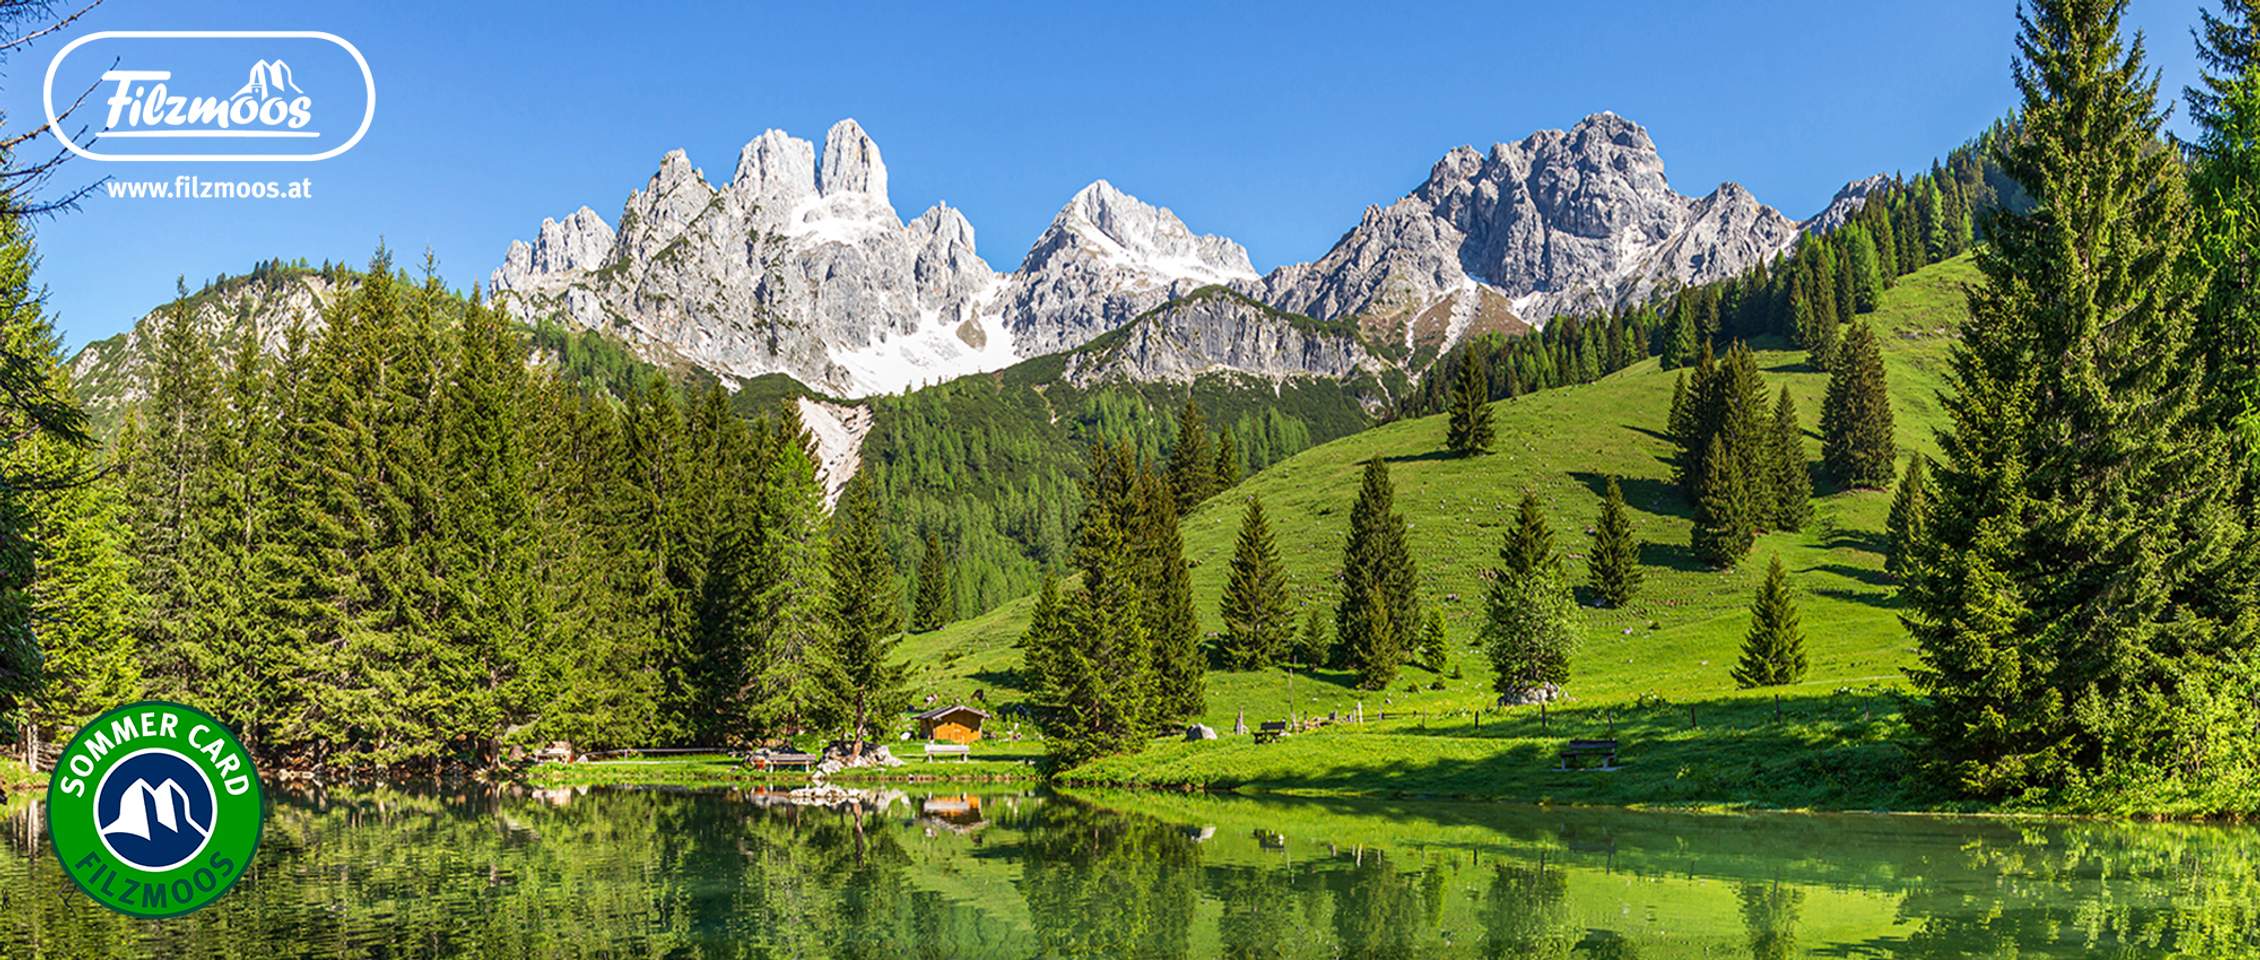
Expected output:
(613, 872)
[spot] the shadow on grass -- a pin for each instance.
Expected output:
(1871, 541)
(1675, 556)
(1648, 494)
(1423, 457)
(1867, 575)
(1651, 434)
(1879, 599)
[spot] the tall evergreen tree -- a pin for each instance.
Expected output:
(1192, 460)
(1227, 461)
(1864, 266)
(2225, 248)
(1172, 626)
(1529, 544)
(1468, 430)
(1257, 624)
(1909, 523)
(1380, 607)
(937, 603)
(1615, 562)
(1434, 644)
(795, 668)
(1856, 430)
(1724, 517)
(2073, 583)
(1314, 643)
(1773, 653)
(169, 489)
(866, 600)
(1789, 482)
(66, 649)
(495, 614)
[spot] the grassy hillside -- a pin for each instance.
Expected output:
(1641, 667)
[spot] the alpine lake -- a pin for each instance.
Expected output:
(933, 872)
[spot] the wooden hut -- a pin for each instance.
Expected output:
(956, 723)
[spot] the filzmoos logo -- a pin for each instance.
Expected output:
(154, 809)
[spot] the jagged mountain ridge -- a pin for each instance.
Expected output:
(805, 269)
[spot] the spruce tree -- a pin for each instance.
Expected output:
(866, 600)
(1688, 438)
(1468, 430)
(1812, 318)
(1789, 482)
(169, 491)
(1857, 442)
(1909, 522)
(1529, 544)
(1108, 679)
(81, 605)
(1615, 562)
(1434, 645)
(1227, 461)
(1192, 461)
(1314, 644)
(937, 603)
(494, 614)
(794, 666)
(1257, 624)
(2070, 583)
(66, 647)
(2225, 182)
(1681, 347)
(1773, 653)
(1723, 529)
(1862, 263)
(1380, 604)
(1172, 626)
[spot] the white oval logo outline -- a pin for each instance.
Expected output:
(54, 123)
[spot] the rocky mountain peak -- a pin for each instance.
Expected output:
(1560, 220)
(1103, 220)
(581, 241)
(776, 167)
(1848, 201)
(852, 163)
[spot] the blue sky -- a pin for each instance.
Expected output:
(1275, 124)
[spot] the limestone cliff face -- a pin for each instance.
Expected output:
(1217, 330)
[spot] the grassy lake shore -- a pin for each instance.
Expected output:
(989, 762)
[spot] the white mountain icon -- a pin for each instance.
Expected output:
(268, 78)
(167, 801)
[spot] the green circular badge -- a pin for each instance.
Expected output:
(154, 809)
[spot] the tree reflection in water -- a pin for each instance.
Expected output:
(385, 872)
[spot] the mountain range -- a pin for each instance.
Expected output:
(804, 268)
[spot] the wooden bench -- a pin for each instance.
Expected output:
(958, 750)
(1576, 749)
(777, 761)
(1270, 731)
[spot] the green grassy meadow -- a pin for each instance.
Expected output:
(1642, 666)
